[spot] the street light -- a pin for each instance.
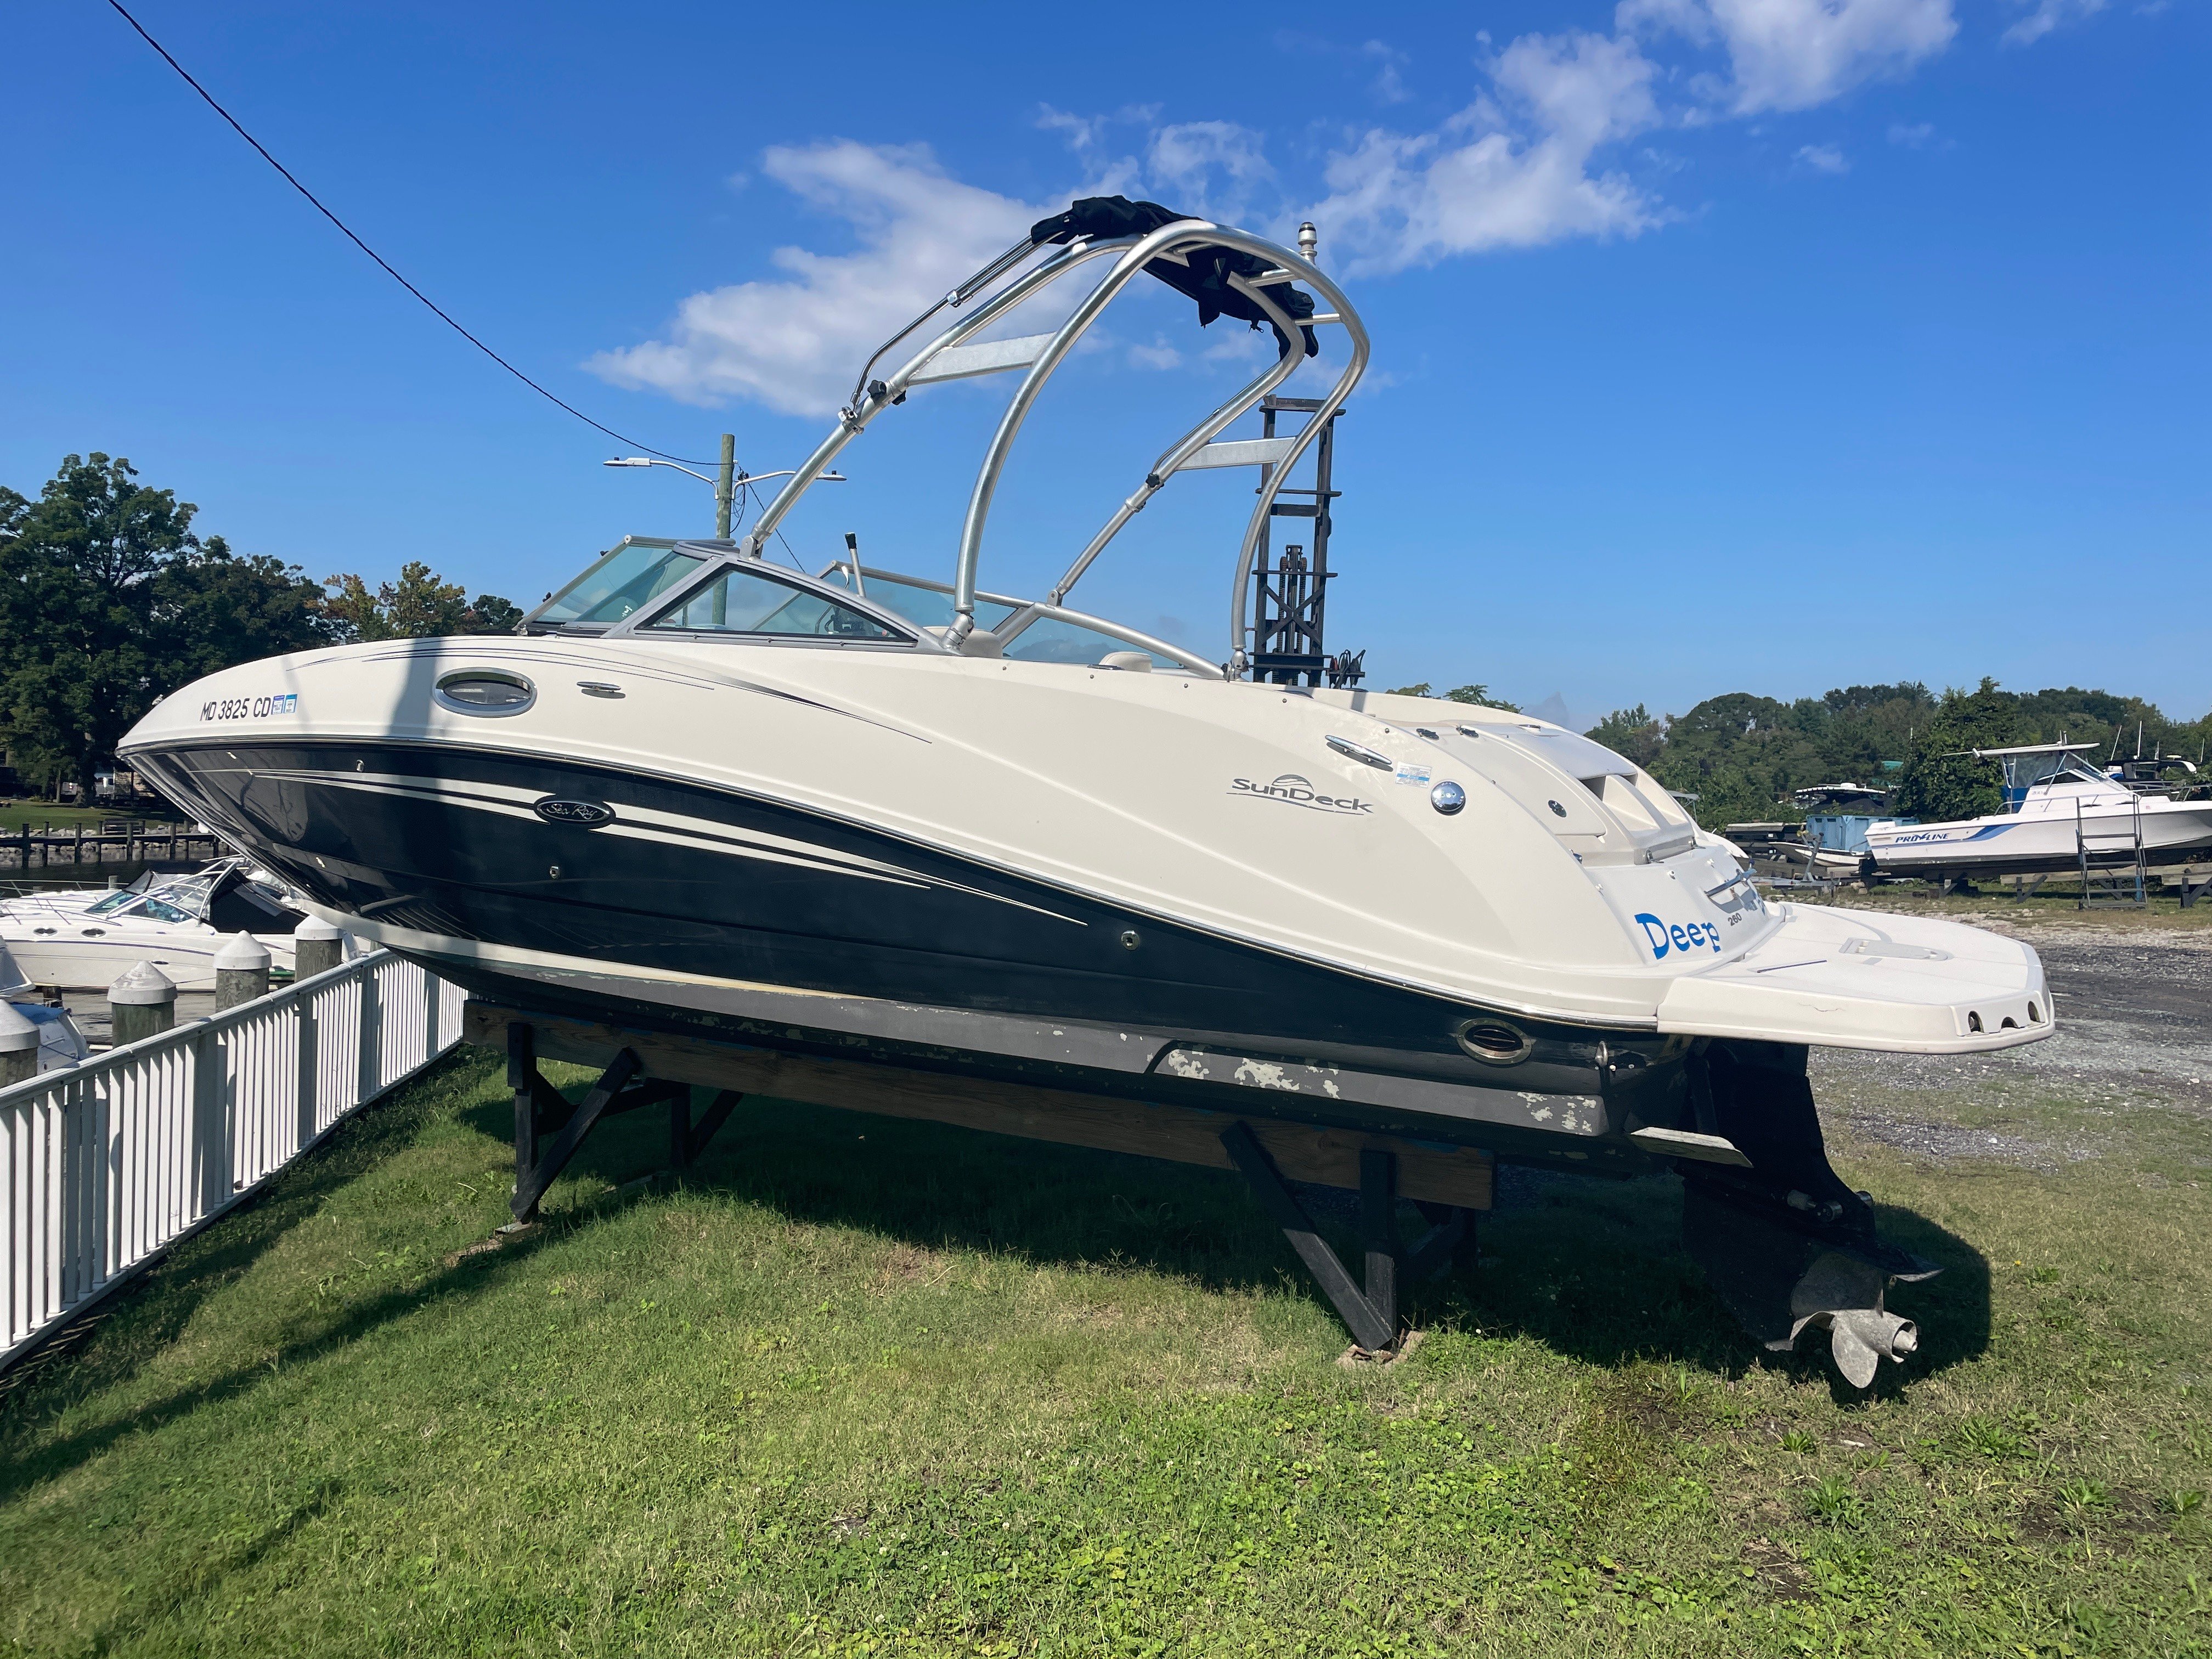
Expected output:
(727, 486)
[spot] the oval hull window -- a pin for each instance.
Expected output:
(484, 691)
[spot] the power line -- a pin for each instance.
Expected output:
(385, 264)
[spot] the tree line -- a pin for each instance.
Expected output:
(1743, 755)
(110, 600)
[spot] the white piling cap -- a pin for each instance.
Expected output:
(17, 1034)
(244, 954)
(316, 927)
(144, 986)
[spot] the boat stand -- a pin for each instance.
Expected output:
(1447, 1185)
(539, 1111)
(1370, 1312)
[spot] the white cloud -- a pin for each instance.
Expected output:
(2048, 15)
(1526, 162)
(1159, 355)
(1794, 54)
(1510, 173)
(1087, 132)
(1389, 86)
(1187, 158)
(795, 345)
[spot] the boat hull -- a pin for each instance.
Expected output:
(60, 958)
(2029, 844)
(701, 910)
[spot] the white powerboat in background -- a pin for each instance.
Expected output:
(2057, 805)
(863, 814)
(178, 924)
(29, 900)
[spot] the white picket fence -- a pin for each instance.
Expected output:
(110, 1162)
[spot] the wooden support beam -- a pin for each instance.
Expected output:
(1426, 1171)
(1375, 1329)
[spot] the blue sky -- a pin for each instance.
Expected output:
(1720, 344)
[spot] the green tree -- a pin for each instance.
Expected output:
(1475, 694)
(419, 605)
(1741, 756)
(109, 601)
(1942, 780)
(1633, 734)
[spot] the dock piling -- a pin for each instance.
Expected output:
(143, 1002)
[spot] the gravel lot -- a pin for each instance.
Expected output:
(2135, 1036)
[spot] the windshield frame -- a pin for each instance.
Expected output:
(643, 623)
(1026, 611)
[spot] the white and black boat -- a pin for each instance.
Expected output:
(862, 813)
(2061, 811)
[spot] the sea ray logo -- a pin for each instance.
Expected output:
(1295, 791)
(586, 814)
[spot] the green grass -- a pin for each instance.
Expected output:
(872, 1386)
(42, 815)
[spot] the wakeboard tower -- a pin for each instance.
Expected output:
(874, 815)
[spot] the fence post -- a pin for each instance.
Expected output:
(311, 1072)
(371, 1076)
(211, 1133)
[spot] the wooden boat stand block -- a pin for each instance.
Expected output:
(1447, 1184)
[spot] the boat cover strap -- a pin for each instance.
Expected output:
(1205, 278)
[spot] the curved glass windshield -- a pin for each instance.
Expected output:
(742, 601)
(1045, 640)
(922, 605)
(622, 581)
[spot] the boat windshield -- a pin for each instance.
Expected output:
(622, 581)
(1048, 639)
(2024, 772)
(745, 601)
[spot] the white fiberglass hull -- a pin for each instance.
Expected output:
(917, 815)
(62, 955)
(2043, 840)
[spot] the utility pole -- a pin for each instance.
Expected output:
(723, 486)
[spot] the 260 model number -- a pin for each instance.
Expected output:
(250, 708)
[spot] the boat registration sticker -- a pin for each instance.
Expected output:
(250, 708)
(1413, 774)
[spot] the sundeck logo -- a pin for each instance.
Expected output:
(1295, 791)
(589, 814)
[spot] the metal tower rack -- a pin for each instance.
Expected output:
(1291, 596)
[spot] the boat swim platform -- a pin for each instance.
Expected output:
(1450, 1186)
